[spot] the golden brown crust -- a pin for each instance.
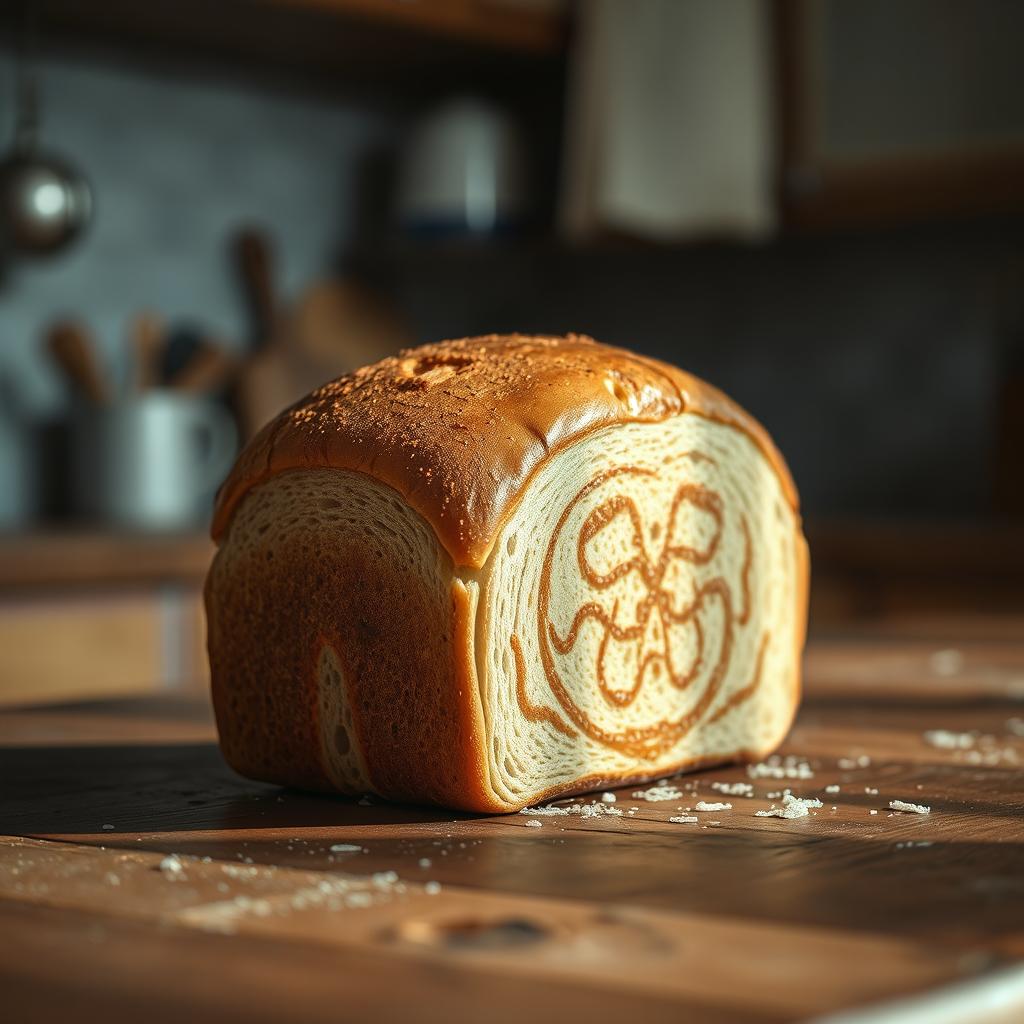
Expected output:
(402, 639)
(264, 695)
(458, 427)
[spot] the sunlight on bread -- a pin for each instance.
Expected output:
(545, 567)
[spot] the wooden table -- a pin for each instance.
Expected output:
(142, 880)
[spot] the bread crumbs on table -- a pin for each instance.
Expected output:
(792, 807)
(902, 805)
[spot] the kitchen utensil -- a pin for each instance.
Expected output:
(146, 339)
(72, 348)
(338, 325)
(209, 369)
(44, 201)
(151, 462)
(182, 342)
(264, 384)
(252, 256)
(463, 172)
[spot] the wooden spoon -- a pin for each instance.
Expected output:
(146, 338)
(72, 348)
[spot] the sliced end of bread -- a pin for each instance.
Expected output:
(642, 611)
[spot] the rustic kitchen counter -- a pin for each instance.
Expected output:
(140, 878)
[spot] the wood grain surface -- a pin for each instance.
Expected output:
(139, 876)
(45, 562)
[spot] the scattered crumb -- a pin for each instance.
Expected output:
(595, 810)
(946, 740)
(733, 788)
(425, 862)
(872, 811)
(533, 824)
(346, 848)
(847, 763)
(107, 828)
(112, 879)
(591, 810)
(902, 805)
(432, 888)
(832, 789)
(684, 819)
(607, 798)
(703, 805)
(792, 807)
(171, 865)
(775, 767)
(871, 791)
(947, 662)
(978, 748)
(911, 844)
(658, 793)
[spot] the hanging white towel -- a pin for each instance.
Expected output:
(669, 126)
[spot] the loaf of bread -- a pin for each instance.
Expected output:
(491, 571)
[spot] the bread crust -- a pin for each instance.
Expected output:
(400, 638)
(458, 427)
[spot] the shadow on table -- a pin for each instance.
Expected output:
(181, 787)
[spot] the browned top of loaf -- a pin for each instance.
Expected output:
(457, 427)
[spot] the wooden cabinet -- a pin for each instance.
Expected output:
(371, 47)
(86, 616)
(892, 112)
(101, 643)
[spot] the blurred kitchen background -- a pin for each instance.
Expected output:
(210, 207)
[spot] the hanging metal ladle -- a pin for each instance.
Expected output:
(44, 201)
